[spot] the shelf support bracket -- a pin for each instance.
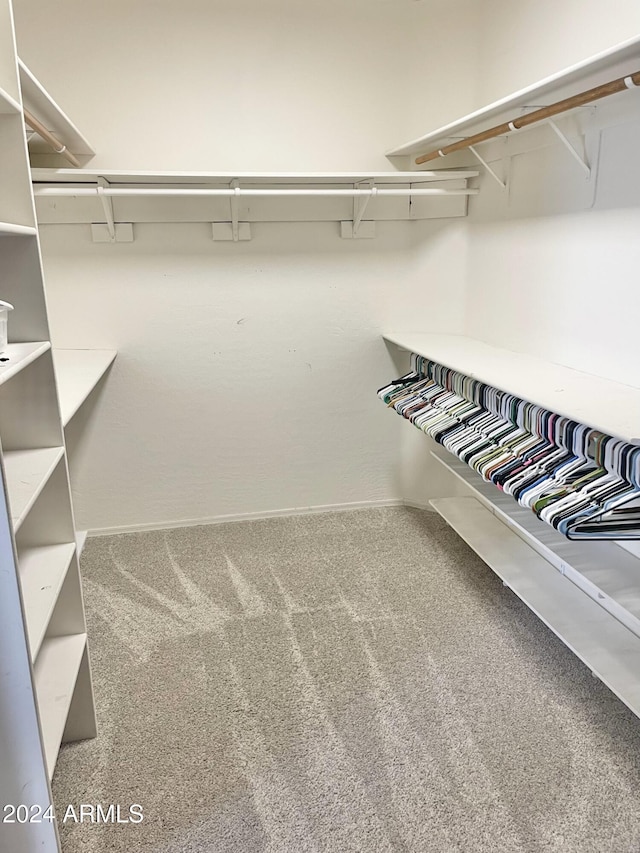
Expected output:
(494, 175)
(235, 205)
(107, 206)
(112, 231)
(356, 228)
(580, 160)
(360, 204)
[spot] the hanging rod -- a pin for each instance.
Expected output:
(620, 85)
(57, 192)
(49, 138)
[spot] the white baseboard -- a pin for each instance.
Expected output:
(248, 516)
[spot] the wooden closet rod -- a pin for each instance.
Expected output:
(619, 85)
(49, 138)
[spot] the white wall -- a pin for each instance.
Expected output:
(522, 42)
(246, 374)
(240, 84)
(553, 265)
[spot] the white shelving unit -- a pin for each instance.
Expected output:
(45, 680)
(605, 405)
(588, 593)
(77, 373)
(616, 62)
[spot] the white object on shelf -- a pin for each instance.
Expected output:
(78, 371)
(39, 102)
(27, 472)
(42, 572)
(19, 356)
(603, 404)
(610, 650)
(55, 672)
(5, 307)
(621, 59)
(604, 571)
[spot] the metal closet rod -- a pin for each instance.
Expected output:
(631, 81)
(49, 138)
(241, 191)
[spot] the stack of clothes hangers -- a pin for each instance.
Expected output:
(582, 482)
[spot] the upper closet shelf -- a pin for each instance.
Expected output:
(611, 407)
(622, 59)
(77, 374)
(231, 201)
(37, 101)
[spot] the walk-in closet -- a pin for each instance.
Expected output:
(319, 426)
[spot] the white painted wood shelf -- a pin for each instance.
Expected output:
(604, 571)
(607, 647)
(8, 105)
(78, 371)
(20, 356)
(40, 103)
(608, 406)
(55, 673)
(42, 572)
(27, 472)
(622, 59)
(254, 179)
(10, 229)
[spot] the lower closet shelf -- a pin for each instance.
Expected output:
(607, 647)
(27, 471)
(56, 672)
(42, 573)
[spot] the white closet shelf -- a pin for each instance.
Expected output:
(81, 540)
(20, 355)
(9, 105)
(42, 573)
(610, 650)
(27, 472)
(257, 179)
(10, 229)
(603, 404)
(604, 571)
(624, 58)
(56, 671)
(78, 371)
(39, 102)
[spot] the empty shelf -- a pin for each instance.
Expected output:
(42, 573)
(19, 356)
(608, 406)
(8, 105)
(78, 371)
(26, 472)
(56, 672)
(609, 649)
(604, 571)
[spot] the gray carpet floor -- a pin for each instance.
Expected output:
(355, 681)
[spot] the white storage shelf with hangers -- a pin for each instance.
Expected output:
(587, 593)
(623, 59)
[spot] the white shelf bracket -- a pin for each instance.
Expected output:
(235, 206)
(112, 231)
(580, 160)
(493, 174)
(107, 206)
(360, 204)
